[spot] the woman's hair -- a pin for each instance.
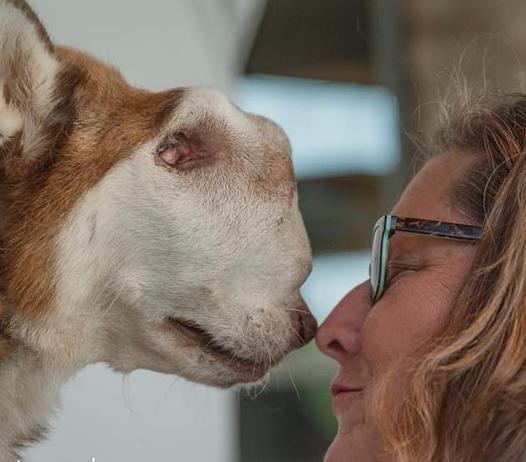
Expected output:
(465, 399)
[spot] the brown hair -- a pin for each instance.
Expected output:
(466, 394)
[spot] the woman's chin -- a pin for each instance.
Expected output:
(352, 444)
(335, 453)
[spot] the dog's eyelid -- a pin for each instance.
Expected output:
(177, 150)
(169, 141)
(162, 148)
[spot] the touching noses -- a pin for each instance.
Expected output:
(304, 325)
(339, 336)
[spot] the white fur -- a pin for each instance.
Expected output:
(30, 391)
(146, 245)
(222, 245)
(39, 74)
(202, 103)
(10, 119)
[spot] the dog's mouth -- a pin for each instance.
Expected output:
(195, 335)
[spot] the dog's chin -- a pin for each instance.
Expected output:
(215, 365)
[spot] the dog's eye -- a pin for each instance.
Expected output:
(168, 153)
(164, 148)
(175, 151)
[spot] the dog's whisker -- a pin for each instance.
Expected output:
(108, 308)
(125, 391)
(297, 334)
(143, 255)
(298, 394)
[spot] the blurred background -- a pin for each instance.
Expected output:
(354, 83)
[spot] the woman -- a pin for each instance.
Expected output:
(432, 350)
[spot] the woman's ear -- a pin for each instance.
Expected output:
(29, 71)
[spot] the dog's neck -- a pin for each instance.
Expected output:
(29, 390)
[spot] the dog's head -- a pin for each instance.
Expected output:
(147, 230)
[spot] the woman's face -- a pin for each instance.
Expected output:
(424, 275)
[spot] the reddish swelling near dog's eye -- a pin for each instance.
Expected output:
(144, 230)
(434, 370)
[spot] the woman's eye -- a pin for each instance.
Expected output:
(394, 273)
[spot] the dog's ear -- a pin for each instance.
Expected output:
(29, 70)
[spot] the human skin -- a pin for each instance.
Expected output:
(424, 276)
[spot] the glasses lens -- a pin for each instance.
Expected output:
(376, 256)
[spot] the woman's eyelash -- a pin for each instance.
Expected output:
(403, 266)
(396, 269)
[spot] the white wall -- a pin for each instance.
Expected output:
(156, 44)
(106, 417)
(159, 44)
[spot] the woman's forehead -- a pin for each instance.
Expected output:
(429, 194)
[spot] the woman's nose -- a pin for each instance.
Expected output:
(339, 336)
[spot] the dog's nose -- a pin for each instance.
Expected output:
(303, 324)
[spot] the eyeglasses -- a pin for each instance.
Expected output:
(387, 225)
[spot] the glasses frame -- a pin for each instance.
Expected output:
(387, 225)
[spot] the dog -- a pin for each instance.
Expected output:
(143, 230)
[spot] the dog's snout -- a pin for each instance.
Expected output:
(304, 325)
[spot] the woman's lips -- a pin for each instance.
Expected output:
(348, 403)
(337, 389)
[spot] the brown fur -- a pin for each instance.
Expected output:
(98, 120)
(275, 180)
(67, 120)
(115, 119)
(4, 350)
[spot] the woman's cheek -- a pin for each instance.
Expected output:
(409, 312)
